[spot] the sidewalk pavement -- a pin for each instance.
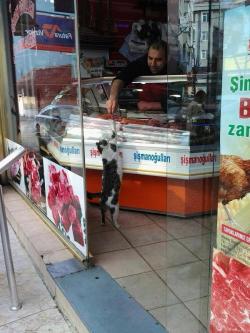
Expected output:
(39, 313)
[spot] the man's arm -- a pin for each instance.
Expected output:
(112, 102)
(126, 76)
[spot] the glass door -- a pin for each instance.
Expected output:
(161, 252)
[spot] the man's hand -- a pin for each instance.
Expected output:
(112, 105)
(112, 102)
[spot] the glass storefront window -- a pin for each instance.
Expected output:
(45, 59)
(157, 157)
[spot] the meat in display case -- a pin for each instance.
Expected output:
(166, 150)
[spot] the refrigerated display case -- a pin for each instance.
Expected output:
(170, 156)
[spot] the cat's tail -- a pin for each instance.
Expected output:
(91, 195)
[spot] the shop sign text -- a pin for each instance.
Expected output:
(240, 83)
(155, 157)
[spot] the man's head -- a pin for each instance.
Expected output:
(157, 56)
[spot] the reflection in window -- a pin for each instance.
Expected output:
(203, 54)
(194, 35)
(204, 35)
(204, 17)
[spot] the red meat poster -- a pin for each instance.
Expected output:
(64, 192)
(27, 174)
(230, 295)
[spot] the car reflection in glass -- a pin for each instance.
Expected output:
(53, 122)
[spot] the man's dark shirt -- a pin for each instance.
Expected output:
(140, 67)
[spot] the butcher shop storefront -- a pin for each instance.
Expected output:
(158, 193)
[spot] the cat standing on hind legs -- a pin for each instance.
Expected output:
(111, 178)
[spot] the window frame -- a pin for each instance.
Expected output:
(204, 33)
(204, 17)
(202, 54)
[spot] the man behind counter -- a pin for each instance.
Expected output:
(155, 62)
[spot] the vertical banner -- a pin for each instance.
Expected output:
(230, 299)
(234, 191)
(64, 191)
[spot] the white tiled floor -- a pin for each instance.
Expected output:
(149, 290)
(198, 245)
(178, 319)
(108, 241)
(122, 263)
(165, 268)
(189, 281)
(199, 307)
(166, 254)
(146, 234)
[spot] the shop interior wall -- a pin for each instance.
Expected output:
(114, 19)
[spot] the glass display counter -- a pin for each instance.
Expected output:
(170, 153)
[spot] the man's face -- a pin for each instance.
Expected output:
(156, 60)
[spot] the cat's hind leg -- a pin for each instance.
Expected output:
(103, 213)
(114, 212)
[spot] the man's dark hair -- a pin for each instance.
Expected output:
(200, 96)
(158, 45)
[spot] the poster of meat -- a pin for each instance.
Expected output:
(230, 295)
(234, 191)
(16, 172)
(27, 175)
(65, 203)
(34, 179)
